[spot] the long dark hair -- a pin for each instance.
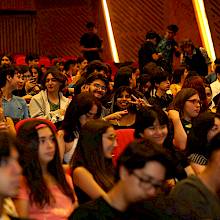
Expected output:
(40, 74)
(89, 153)
(80, 105)
(197, 139)
(146, 117)
(7, 143)
(28, 149)
(117, 94)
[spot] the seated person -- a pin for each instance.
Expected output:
(32, 59)
(13, 106)
(46, 193)
(122, 102)
(161, 97)
(10, 174)
(215, 86)
(197, 197)
(204, 128)
(6, 59)
(92, 168)
(27, 85)
(83, 108)
(141, 170)
(50, 102)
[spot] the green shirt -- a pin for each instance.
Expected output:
(193, 200)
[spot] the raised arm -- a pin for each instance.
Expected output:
(180, 136)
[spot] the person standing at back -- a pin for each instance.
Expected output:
(90, 43)
(167, 47)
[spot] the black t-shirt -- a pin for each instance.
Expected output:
(99, 209)
(197, 62)
(145, 54)
(163, 101)
(91, 40)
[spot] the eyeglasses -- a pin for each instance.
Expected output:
(149, 181)
(194, 101)
(98, 86)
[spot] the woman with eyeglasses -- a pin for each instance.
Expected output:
(50, 103)
(198, 83)
(92, 168)
(185, 107)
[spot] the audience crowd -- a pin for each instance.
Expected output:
(78, 141)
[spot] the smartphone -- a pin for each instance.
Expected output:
(32, 79)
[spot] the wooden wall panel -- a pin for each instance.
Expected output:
(132, 19)
(17, 5)
(61, 26)
(56, 27)
(182, 13)
(213, 15)
(18, 34)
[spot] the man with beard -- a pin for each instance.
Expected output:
(98, 84)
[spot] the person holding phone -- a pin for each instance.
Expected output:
(50, 103)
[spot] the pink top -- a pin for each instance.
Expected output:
(58, 210)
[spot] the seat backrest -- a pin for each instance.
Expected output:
(44, 61)
(20, 60)
(123, 138)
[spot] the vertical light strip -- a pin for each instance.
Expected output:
(204, 30)
(110, 31)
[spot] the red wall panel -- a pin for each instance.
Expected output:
(18, 34)
(132, 19)
(56, 27)
(60, 26)
(17, 5)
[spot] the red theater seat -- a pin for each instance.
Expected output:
(69, 58)
(20, 60)
(44, 61)
(123, 138)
